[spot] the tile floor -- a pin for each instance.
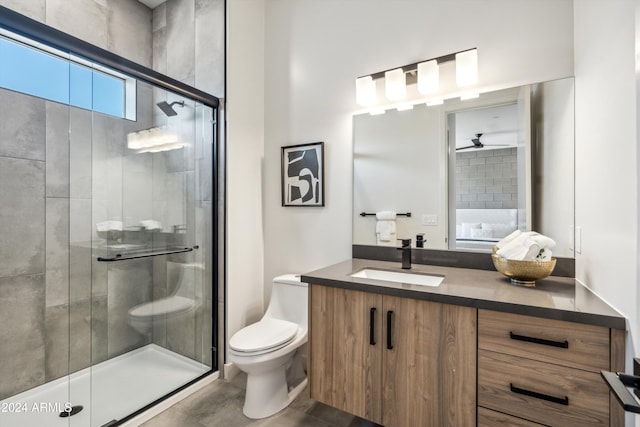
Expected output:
(220, 405)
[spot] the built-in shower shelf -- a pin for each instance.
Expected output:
(145, 254)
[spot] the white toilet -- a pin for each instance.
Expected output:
(265, 350)
(183, 300)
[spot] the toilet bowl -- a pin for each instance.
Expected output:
(183, 300)
(268, 350)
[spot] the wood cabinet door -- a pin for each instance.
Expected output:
(344, 365)
(429, 374)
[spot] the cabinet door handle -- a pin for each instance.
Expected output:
(561, 344)
(560, 400)
(372, 320)
(389, 326)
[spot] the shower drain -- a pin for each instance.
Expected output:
(74, 410)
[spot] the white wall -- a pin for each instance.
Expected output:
(245, 148)
(606, 155)
(314, 50)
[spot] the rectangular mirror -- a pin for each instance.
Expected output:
(469, 172)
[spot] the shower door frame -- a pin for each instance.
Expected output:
(39, 32)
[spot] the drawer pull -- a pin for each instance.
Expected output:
(561, 401)
(372, 319)
(389, 326)
(561, 344)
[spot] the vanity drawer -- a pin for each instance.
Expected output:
(555, 341)
(489, 418)
(545, 393)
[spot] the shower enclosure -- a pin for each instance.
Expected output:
(108, 247)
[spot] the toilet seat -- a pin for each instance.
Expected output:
(265, 336)
(164, 306)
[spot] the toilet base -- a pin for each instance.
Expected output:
(268, 394)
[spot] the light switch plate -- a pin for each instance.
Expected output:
(578, 239)
(429, 219)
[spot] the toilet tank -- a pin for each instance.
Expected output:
(289, 300)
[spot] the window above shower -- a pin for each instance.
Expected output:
(36, 69)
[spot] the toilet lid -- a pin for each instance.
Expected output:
(263, 335)
(169, 305)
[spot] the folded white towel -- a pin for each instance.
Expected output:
(544, 255)
(502, 243)
(386, 230)
(385, 215)
(526, 246)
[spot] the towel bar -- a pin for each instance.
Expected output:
(408, 214)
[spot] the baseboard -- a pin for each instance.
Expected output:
(230, 371)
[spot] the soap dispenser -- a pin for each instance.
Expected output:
(420, 240)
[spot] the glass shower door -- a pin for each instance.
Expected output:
(151, 214)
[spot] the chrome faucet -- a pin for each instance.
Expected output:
(406, 253)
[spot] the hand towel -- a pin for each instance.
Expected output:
(386, 230)
(385, 216)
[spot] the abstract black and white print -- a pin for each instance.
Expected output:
(303, 175)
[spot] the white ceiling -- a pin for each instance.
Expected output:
(498, 125)
(152, 3)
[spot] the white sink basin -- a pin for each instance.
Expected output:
(399, 277)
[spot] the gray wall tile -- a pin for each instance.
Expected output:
(57, 251)
(22, 215)
(181, 40)
(34, 9)
(128, 21)
(209, 37)
(56, 341)
(57, 149)
(22, 303)
(80, 123)
(85, 19)
(129, 285)
(22, 126)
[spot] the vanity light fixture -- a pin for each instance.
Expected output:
(395, 84)
(365, 91)
(428, 77)
(425, 73)
(467, 68)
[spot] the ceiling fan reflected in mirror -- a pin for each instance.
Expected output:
(478, 144)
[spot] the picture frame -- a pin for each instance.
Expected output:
(302, 174)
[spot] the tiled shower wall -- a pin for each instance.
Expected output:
(487, 179)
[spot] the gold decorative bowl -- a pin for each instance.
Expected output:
(523, 273)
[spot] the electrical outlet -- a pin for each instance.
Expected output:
(429, 219)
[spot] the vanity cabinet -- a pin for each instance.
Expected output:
(399, 362)
(545, 371)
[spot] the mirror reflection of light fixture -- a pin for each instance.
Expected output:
(365, 91)
(395, 84)
(467, 68)
(154, 140)
(426, 73)
(428, 77)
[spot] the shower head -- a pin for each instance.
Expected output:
(168, 108)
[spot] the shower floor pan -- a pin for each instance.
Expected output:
(108, 391)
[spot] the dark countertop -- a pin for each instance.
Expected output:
(560, 298)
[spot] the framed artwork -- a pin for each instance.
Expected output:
(303, 175)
